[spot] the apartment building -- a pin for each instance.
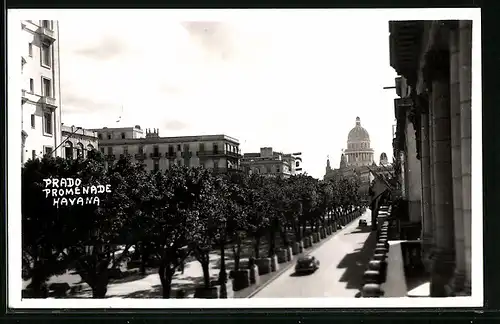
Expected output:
(40, 93)
(218, 152)
(271, 163)
(78, 141)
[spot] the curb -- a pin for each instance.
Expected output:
(283, 270)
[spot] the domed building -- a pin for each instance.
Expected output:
(357, 159)
(358, 152)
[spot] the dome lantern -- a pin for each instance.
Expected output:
(358, 133)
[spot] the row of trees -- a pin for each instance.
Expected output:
(172, 214)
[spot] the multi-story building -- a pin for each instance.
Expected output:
(77, 141)
(40, 93)
(271, 163)
(432, 146)
(218, 152)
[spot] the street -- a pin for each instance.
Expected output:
(343, 261)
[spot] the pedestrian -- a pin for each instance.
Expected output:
(181, 266)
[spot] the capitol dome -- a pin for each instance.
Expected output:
(358, 133)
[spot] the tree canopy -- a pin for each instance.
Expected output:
(172, 214)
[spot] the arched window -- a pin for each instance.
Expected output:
(68, 150)
(79, 150)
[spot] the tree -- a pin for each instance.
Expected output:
(98, 229)
(175, 221)
(258, 211)
(43, 238)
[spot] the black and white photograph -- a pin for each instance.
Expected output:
(272, 158)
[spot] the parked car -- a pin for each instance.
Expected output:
(362, 222)
(307, 263)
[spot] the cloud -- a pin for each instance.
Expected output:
(175, 125)
(78, 103)
(106, 49)
(213, 37)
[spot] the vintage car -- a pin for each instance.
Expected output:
(307, 263)
(362, 222)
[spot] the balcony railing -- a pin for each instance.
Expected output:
(48, 102)
(140, 156)
(156, 155)
(235, 155)
(46, 34)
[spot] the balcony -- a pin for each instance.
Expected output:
(140, 156)
(211, 153)
(46, 34)
(24, 96)
(233, 155)
(156, 155)
(48, 102)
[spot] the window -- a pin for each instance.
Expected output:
(30, 49)
(156, 165)
(32, 121)
(46, 57)
(178, 147)
(110, 150)
(99, 136)
(141, 149)
(47, 150)
(47, 24)
(79, 150)
(32, 85)
(123, 135)
(47, 123)
(109, 136)
(125, 150)
(102, 150)
(170, 150)
(269, 169)
(202, 147)
(186, 147)
(46, 87)
(216, 148)
(33, 154)
(156, 150)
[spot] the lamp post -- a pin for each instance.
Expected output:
(67, 138)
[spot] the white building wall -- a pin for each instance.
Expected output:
(33, 73)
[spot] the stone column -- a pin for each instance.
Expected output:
(465, 76)
(456, 166)
(413, 175)
(444, 256)
(432, 158)
(427, 226)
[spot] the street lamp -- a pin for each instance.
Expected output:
(67, 138)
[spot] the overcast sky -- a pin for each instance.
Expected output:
(294, 85)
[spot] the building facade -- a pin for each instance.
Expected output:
(433, 143)
(271, 163)
(40, 93)
(357, 160)
(358, 152)
(218, 152)
(77, 141)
